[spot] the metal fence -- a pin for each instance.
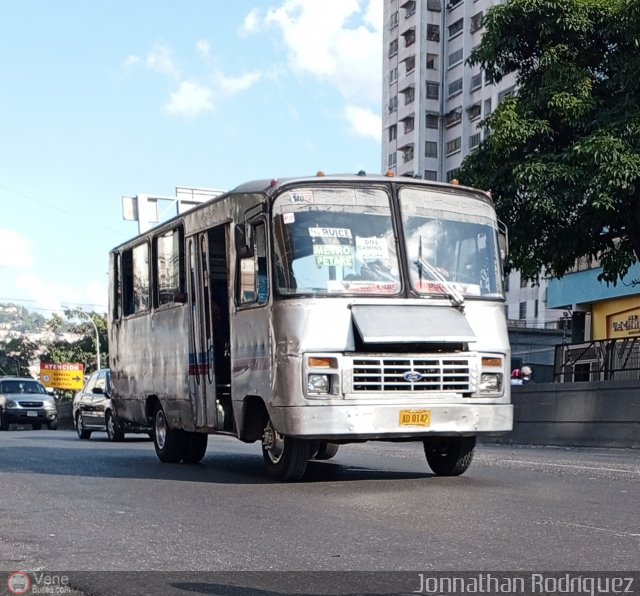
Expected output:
(603, 360)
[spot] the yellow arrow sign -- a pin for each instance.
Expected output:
(69, 376)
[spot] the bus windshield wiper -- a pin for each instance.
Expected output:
(456, 297)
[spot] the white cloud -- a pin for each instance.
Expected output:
(15, 250)
(191, 99)
(325, 40)
(251, 23)
(160, 59)
(233, 85)
(203, 47)
(131, 60)
(364, 122)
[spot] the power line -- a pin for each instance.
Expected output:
(93, 222)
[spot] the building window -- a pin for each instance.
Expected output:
(536, 306)
(476, 81)
(476, 22)
(393, 76)
(474, 111)
(522, 315)
(408, 124)
(393, 47)
(432, 61)
(393, 103)
(409, 37)
(453, 117)
(506, 93)
(393, 132)
(451, 174)
(407, 153)
(410, 64)
(453, 3)
(433, 90)
(455, 58)
(456, 28)
(523, 281)
(433, 33)
(487, 107)
(431, 120)
(393, 21)
(409, 95)
(455, 87)
(392, 159)
(474, 140)
(431, 149)
(409, 9)
(434, 5)
(454, 145)
(430, 175)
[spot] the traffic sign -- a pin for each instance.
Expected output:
(69, 376)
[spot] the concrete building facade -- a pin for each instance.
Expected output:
(433, 103)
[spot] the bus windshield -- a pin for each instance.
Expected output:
(335, 240)
(451, 243)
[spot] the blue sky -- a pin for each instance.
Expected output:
(113, 98)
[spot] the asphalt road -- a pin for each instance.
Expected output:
(74, 505)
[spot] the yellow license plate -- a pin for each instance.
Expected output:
(415, 418)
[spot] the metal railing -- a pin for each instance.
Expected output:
(602, 360)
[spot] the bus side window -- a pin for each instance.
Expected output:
(253, 273)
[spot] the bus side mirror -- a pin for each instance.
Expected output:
(503, 242)
(243, 248)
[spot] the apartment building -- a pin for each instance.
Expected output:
(433, 103)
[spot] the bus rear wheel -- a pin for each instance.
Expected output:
(449, 456)
(285, 458)
(195, 448)
(170, 443)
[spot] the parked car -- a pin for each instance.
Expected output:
(24, 400)
(93, 411)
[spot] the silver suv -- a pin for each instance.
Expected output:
(26, 401)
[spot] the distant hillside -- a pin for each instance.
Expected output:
(18, 318)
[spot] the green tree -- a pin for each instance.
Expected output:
(562, 157)
(16, 356)
(82, 350)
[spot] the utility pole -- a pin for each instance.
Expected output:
(81, 312)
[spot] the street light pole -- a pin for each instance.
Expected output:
(97, 337)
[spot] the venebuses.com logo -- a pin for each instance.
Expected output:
(21, 582)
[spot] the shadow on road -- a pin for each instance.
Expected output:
(39, 453)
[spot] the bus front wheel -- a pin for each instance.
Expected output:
(170, 443)
(449, 456)
(285, 458)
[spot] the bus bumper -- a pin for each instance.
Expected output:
(383, 421)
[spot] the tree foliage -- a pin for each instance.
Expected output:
(562, 155)
(82, 350)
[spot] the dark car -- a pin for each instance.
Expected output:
(26, 401)
(93, 410)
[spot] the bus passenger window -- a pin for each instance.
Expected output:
(135, 274)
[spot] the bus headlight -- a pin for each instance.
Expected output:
(490, 383)
(318, 384)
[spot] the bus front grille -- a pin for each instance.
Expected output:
(411, 374)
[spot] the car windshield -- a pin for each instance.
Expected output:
(335, 240)
(19, 386)
(451, 243)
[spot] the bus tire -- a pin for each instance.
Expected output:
(196, 447)
(285, 458)
(170, 443)
(326, 450)
(449, 456)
